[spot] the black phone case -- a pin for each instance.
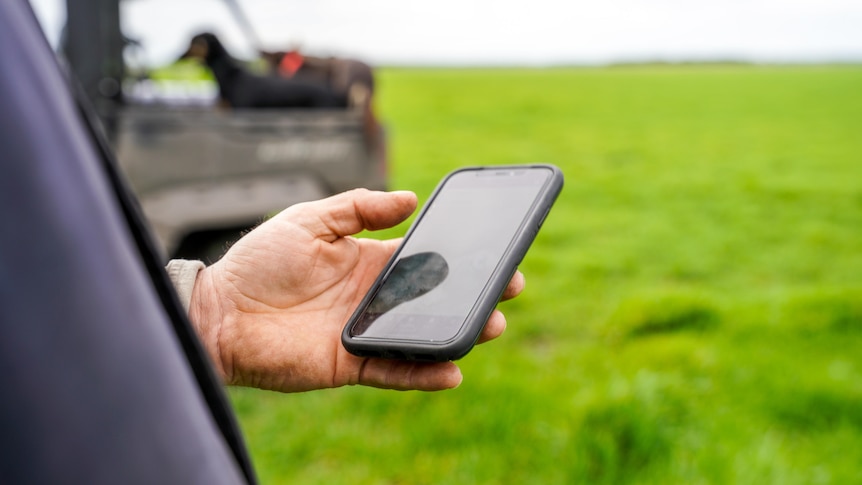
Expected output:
(463, 342)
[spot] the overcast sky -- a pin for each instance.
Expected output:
(529, 32)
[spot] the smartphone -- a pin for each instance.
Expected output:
(435, 294)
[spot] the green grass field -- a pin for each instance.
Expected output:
(693, 311)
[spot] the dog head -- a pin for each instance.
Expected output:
(204, 47)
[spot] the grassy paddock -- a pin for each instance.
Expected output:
(693, 312)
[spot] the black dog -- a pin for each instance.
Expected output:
(242, 89)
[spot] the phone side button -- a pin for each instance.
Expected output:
(533, 233)
(544, 216)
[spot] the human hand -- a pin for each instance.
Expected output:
(271, 311)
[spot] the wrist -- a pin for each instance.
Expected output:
(206, 316)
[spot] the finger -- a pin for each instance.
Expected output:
(516, 286)
(391, 244)
(408, 375)
(353, 211)
(495, 327)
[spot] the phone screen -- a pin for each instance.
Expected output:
(448, 259)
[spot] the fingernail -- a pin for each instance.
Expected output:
(460, 378)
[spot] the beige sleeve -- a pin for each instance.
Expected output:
(183, 274)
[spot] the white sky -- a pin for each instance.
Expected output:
(527, 32)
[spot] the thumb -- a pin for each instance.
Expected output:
(353, 211)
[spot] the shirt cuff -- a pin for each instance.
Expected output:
(183, 273)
